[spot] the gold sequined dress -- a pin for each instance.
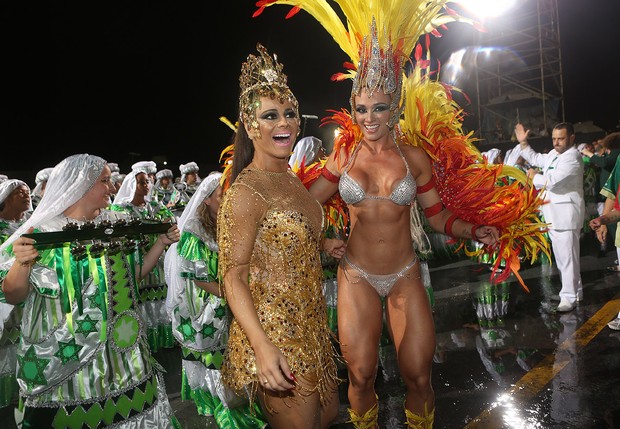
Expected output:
(285, 275)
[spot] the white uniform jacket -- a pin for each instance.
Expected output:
(562, 178)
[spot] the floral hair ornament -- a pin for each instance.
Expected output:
(261, 76)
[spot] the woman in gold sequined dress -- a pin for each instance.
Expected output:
(270, 234)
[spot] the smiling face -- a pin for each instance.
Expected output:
(143, 184)
(372, 114)
(278, 127)
(98, 196)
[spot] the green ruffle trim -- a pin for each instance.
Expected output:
(243, 417)
(192, 248)
(211, 360)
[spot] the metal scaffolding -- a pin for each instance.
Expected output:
(521, 78)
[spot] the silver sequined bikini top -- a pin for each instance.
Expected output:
(352, 193)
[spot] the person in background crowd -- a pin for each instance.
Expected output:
(185, 188)
(612, 216)
(15, 209)
(270, 234)
(117, 182)
(562, 179)
(603, 233)
(114, 167)
(83, 359)
(164, 186)
(190, 177)
(15, 205)
(604, 159)
(134, 199)
(200, 316)
(40, 181)
(590, 189)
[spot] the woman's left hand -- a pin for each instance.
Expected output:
(486, 234)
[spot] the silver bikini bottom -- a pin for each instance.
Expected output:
(382, 283)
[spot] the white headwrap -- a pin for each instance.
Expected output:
(117, 177)
(42, 177)
(128, 188)
(150, 166)
(172, 261)
(163, 173)
(71, 178)
(114, 167)
(190, 167)
(3, 177)
(306, 148)
(8, 186)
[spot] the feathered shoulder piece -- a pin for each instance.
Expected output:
(348, 134)
(469, 186)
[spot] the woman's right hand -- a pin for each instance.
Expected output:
(272, 368)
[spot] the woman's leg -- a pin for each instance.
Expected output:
(360, 320)
(410, 321)
(295, 410)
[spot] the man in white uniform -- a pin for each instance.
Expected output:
(562, 179)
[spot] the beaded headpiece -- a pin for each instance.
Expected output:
(379, 68)
(261, 76)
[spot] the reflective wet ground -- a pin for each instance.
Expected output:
(505, 358)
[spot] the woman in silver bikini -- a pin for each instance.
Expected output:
(379, 181)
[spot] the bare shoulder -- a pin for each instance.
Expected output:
(414, 151)
(417, 158)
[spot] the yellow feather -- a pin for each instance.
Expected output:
(225, 120)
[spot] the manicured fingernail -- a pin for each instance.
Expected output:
(292, 377)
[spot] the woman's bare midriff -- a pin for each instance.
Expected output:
(380, 237)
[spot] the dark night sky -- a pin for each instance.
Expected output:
(142, 80)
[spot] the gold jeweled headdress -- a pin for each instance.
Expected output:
(261, 76)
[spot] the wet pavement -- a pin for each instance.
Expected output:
(507, 362)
